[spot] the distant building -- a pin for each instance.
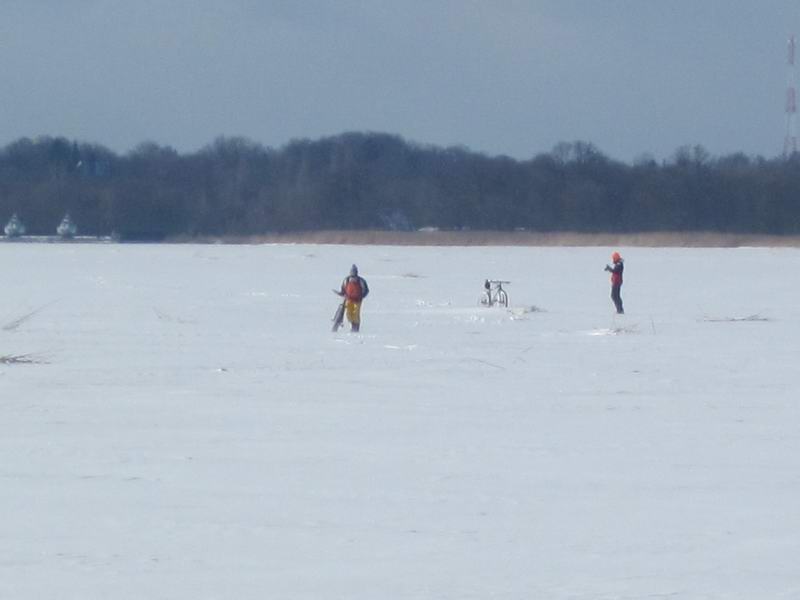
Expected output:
(67, 228)
(14, 227)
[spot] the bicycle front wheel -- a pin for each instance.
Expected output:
(502, 298)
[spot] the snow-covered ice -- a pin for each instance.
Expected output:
(190, 428)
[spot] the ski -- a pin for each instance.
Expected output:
(338, 316)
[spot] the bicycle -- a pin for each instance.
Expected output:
(494, 293)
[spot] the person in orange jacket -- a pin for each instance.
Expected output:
(616, 269)
(354, 289)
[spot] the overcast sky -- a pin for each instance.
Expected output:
(507, 77)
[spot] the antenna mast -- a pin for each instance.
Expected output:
(790, 141)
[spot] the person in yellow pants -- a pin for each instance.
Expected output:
(354, 289)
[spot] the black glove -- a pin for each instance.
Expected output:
(608, 268)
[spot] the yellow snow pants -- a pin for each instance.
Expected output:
(353, 312)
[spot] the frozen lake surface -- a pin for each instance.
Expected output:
(190, 428)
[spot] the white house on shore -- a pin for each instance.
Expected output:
(67, 228)
(14, 227)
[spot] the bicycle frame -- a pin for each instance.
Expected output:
(495, 294)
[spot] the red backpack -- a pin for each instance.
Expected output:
(353, 290)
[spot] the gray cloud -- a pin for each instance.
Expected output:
(506, 77)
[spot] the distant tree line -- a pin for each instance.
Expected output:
(379, 181)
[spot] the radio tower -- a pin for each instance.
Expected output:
(790, 141)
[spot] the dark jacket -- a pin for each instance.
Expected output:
(616, 272)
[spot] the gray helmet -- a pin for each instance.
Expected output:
(354, 270)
